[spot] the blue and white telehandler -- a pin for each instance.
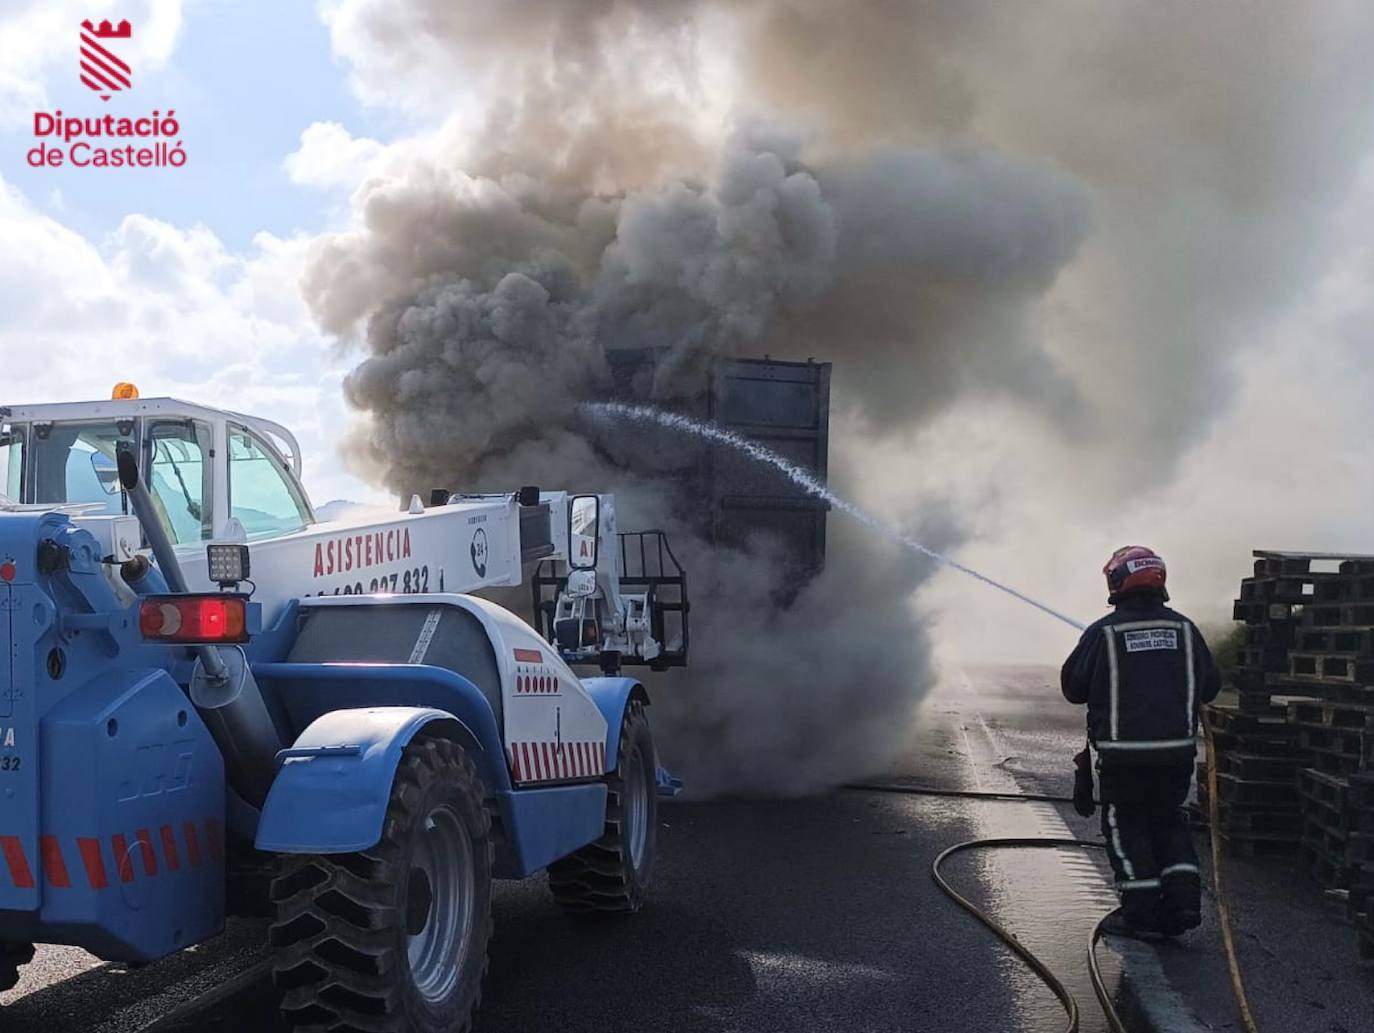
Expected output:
(212, 702)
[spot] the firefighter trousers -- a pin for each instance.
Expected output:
(1150, 847)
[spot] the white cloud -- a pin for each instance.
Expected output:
(174, 311)
(330, 156)
(38, 40)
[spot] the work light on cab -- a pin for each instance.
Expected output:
(194, 618)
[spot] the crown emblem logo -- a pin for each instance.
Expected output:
(102, 70)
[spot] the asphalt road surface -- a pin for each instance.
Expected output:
(816, 914)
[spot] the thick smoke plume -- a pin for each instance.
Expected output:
(911, 183)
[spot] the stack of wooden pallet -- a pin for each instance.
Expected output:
(1258, 752)
(1257, 801)
(1309, 656)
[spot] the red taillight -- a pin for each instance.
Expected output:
(8, 571)
(194, 618)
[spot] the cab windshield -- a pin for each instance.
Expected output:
(65, 464)
(74, 464)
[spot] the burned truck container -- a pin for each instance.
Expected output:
(784, 406)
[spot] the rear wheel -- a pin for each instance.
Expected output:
(393, 938)
(613, 873)
(12, 955)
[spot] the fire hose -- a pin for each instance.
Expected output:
(1043, 971)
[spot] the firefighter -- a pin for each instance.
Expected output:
(1144, 671)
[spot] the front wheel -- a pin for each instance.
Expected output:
(613, 873)
(394, 938)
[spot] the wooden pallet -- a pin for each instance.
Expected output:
(1324, 714)
(1336, 615)
(1233, 790)
(1355, 641)
(1347, 668)
(1244, 725)
(1328, 790)
(1285, 588)
(1260, 821)
(1256, 767)
(1278, 634)
(1259, 846)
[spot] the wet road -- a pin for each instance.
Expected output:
(814, 914)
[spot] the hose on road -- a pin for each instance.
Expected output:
(1114, 1021)
(1042, 970)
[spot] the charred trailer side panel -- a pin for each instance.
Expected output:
(784, 406)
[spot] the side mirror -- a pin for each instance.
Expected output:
(106, 472)
(584, 522)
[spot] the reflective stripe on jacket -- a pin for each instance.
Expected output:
(1144, 671)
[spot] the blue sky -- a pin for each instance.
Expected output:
(245, 80)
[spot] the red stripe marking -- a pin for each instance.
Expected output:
(555, 683)
(94, 58)
(96, 86)
(124, 864)
(215, 837)
(529, 656)
(169, 848)
(586, 757)
(560, 757)
(580, 756)
(90, 41)
(145, 846)
(525, 752)
(18, 864)
(601, 756)
(188, 829)
(94, 862)
(54, 868)
(515, 763)
(92, 65)
(548, 760)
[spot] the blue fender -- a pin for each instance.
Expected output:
(611, 696)
(331, 793)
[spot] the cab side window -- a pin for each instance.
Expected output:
(262, 494)
(180, 478)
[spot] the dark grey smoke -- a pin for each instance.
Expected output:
(916, 181)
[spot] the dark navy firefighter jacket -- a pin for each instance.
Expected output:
(1144, 671)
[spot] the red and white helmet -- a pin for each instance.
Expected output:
(1132, 567)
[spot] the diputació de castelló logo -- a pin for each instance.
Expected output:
(106, 141)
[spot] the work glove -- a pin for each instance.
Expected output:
(1083, 801)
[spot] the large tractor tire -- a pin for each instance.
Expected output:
(13, 955)
(393, 939)
(613, 873)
